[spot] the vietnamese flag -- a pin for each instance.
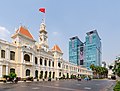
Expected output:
(42, 10)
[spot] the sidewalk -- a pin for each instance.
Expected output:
(111, 86)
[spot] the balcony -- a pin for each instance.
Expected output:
(28, 63)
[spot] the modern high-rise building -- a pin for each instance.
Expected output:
(92, 49)
(76, 51)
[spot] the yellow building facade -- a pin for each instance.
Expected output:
(28, 58)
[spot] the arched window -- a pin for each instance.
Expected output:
(53, 75)
(40, 61)
(45, 76)
(67, 75)
(36, 74)
(59, 65)
(27, 72)
(41, 74)
(59, 73)
(12, 55)
(27, 57)
(45, 62)
(35, 60)
(12, 70)
(50, 74)
(53, 64)
(2, 53)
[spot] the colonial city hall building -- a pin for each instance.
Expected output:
(26, 57)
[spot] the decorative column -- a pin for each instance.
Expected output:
(22, 57)
(0, 71)
(6, 69)
(32, 59)
(43, 61)
(62, 65)
(38, 61)
(7, 53)
(52, 74)
(47, 62)
(43, 74)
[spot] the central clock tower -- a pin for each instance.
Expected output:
(43, 38)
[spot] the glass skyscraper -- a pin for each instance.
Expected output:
(92, 49)
(76, 48)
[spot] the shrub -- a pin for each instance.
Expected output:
(73, 76)
(83, 76)
(6, 76)
(117, 86)
(29, 78)
(12, 75)
(60, 78)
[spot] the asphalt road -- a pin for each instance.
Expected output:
(63, 85)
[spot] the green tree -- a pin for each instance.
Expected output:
(93, 68)
(12, 75)
(116, 68)
(98, 71)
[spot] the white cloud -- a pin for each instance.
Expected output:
(4, 33)
(55, 33)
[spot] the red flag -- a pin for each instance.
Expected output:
(42, 10)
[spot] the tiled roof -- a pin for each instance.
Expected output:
(24, 31)
(56, 48)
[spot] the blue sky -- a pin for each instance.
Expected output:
(64, 19)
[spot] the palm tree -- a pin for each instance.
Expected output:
(99, 72)
(93, 67)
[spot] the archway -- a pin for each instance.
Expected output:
(45, 75)
(50, 74)
(53, 75)
(67, 75)
(41, 74)
(27, 72)
(36, 74)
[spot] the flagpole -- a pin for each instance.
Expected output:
(43, 11)
(44, 18)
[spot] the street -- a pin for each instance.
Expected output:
(62, 85)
